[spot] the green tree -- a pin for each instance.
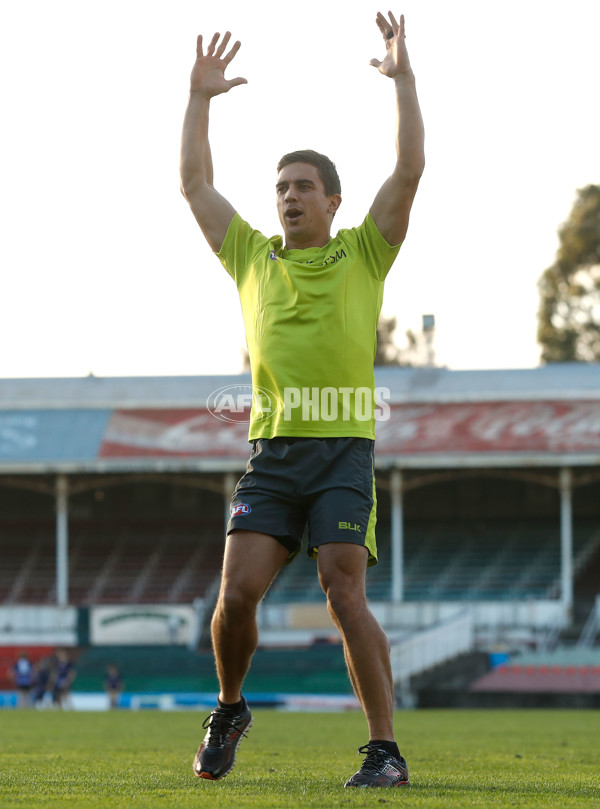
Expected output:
(387, 352)
(569, 312)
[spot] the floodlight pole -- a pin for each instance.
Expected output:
(397, 538)
(566, 540)
(62, 540)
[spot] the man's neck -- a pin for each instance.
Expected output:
(292, 244)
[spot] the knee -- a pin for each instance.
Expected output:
(345, 603)
(237, 601)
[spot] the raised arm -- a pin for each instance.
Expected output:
(212, 211)
(391, 207)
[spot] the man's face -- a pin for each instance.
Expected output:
(305, 211)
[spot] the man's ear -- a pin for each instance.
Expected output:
(335, 200)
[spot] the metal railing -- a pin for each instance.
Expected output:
(423, 649)
(591, 627)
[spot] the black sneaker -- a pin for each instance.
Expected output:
(379, 769)
(216, 755)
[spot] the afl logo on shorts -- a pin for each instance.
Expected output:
(240, 510)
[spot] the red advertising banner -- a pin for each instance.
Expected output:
(480, 427)
(174, 434)
(411, 429)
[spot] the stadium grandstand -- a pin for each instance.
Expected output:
(114, 495)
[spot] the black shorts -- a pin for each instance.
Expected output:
(325, 483)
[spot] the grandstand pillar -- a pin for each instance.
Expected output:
(397, 538)
(62, 540)
(228, 487)
(566, 540)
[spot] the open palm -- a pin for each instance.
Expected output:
(396, 61)
(208, 73)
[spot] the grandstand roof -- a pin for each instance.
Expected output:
(557, 381)
(546, 416)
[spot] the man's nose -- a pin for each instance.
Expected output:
(290, 193)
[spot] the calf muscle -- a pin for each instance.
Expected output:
(251, 563)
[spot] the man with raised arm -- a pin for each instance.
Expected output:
(310, 304)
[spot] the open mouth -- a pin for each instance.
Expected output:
(293, 214)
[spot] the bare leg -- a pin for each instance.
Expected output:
(342, 569)
(251, 563)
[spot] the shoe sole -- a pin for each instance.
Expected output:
(208, 776)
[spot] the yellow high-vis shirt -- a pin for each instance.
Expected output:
(311, 322)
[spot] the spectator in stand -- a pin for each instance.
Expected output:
(64, 674)
(113, 685)
(41, 681)
(23, 674)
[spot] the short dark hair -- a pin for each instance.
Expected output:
(326, 169)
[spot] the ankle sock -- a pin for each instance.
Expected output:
(236, 707)
(389, 747)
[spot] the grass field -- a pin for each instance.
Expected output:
(548, 759)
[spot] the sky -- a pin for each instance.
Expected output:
(103, 269)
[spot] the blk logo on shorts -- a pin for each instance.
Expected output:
(240, 510)
(349, 526)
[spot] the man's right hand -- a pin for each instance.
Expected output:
(212, 211)
(208, 74)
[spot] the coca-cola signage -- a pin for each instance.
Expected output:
(492, 427)
(412, 429)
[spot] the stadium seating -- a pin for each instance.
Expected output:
(457, 562)
(134, 563)
(564, 670)
(28, 565)
(319, 668)
(170, 563)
